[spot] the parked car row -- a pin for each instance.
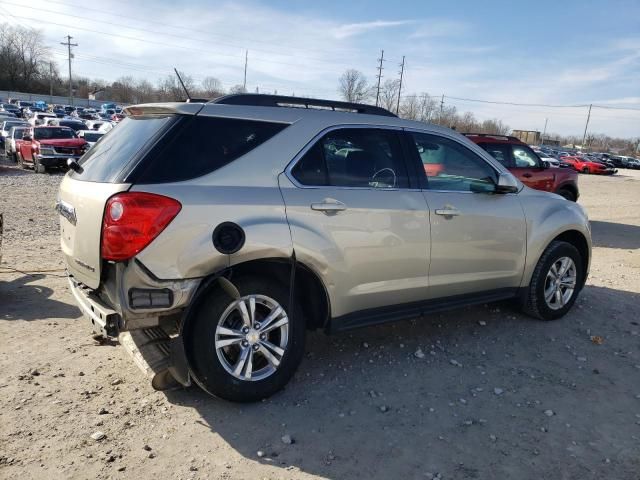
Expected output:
(27, 110)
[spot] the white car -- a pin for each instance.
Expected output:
(90, 136)
(554, 162)
(39, 118)
(94, 124)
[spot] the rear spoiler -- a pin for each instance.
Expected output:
(162, 109)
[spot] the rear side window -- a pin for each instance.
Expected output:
(501, 152)
(109, 157)
(201, 145)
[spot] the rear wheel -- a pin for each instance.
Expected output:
(585, 170)
(566, 193)
(556, 282)
(246, 349)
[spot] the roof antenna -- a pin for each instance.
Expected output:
(182, 83)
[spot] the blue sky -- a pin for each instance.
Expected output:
(561, 52)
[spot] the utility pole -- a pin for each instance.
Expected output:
(381, 59)
(545, 129)
(400, 86)
(68, 44)
(246, 60)
(586, 126)
(50, 82)
(441, 108)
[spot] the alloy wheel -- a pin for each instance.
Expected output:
(560, 283)
(251, 337)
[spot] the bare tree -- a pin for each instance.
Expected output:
(353, 86)
(410, 108)
(389, 94)
(238, 89)
(211, 87)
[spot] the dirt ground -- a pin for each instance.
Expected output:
(495, 395)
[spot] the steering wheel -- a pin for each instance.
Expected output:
(387, 169)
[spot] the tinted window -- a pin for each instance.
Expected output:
(112, 154)
(52, 132)
(201, 145)
(499, 151)
(524, 157)
(74, 125)
(312, 169)
(459, 169)
(353, 157)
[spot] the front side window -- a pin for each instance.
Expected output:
(354, 157)
(524, 157)
(459, 169)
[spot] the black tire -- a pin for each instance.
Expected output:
(20, 160)
(207, 369)
(534, 303)
(566, 193)
(37, 167)
(585, 170)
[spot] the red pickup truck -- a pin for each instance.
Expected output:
(527, 166)
(50, 147)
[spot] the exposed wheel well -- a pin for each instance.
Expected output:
(578, 240)
(308, 288)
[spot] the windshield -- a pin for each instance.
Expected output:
(92, 137)
(51, 133)
(8, 125)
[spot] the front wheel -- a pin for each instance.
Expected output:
(246, 349)
(567, 194)
(585, 170)
(555, 283)
(37, 166)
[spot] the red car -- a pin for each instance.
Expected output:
(50, 147)
(527, 166)
(580, 164)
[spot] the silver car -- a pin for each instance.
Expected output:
(210, 237)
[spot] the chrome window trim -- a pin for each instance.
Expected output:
(316, 138)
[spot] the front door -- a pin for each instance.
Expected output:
(478, 238)
(355, 221)
(530, 170)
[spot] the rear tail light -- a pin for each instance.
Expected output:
(132, 220)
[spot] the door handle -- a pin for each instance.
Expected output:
(526, 175)
(328, 207)
(448, 212)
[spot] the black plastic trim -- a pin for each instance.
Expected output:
(259, 100)
(391, 313)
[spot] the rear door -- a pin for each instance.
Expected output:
(478, 238)
(356, 220)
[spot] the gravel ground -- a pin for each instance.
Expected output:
(483, 392)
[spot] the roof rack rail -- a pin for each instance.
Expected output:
(496, 135)
(261, 100)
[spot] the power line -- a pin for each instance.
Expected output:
(164, 34)
(187, 28)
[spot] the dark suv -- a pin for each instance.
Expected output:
(525, 164)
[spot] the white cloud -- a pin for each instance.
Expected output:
(353, 29)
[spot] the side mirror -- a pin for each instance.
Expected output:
(507, 183)
(546, 164)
